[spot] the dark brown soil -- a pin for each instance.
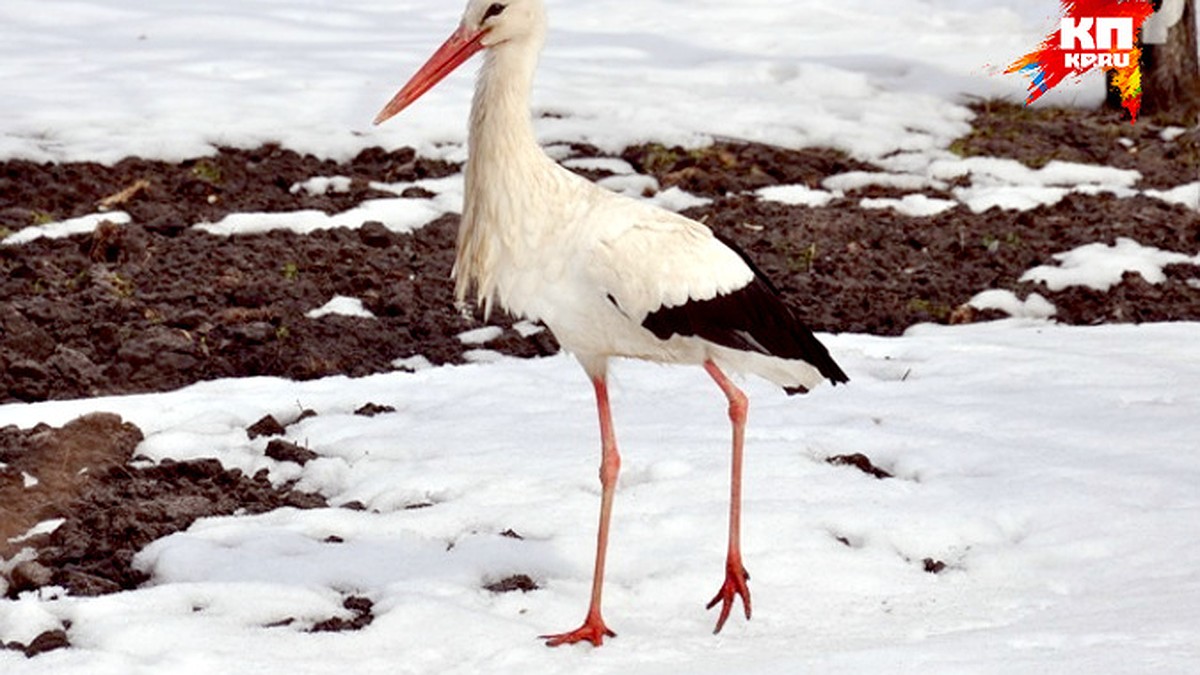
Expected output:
(860, 462)
(512, 584)
(1039, 135)
(155, 304)
(61, 461)
(45, 642)
(933, 566)
(360, 608)
(112, 506)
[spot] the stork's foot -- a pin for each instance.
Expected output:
(736, 578)
(593, 630)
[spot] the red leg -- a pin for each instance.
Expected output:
(735, 574)
(593, 629)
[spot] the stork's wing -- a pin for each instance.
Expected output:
(675, 277)
(663, 260)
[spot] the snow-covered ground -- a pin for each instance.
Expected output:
(91, 79)
(1053, 469)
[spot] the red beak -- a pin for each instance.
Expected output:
(458, 48)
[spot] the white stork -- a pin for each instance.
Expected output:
(609, 275)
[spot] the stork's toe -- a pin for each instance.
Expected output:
(736, 585)
(593, 630)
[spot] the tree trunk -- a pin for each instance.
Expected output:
(1171, 71)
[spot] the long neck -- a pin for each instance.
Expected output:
(501, 133)
(504, 165)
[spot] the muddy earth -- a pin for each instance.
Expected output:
(156, 304)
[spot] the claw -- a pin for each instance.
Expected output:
(593, 630)
(735, 585)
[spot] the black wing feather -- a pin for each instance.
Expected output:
(752, 318)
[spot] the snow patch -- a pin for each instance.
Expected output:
(1169, 134)
(1003, 171)
(66, 228)
(1009, 184)
(1187, 195)
(675, 199)
(526, 328)
(397, 215)
(413, 363)
(1034, 306)
(479, 336)
(617, 167)
(44, 527)
(796, 195)
(400, 215)
(646, 188)
(1011, 197)
(856, 180)
(343, 306)
(482, 356)
(448, 189)
(1101, 267)
(321, 185)
(915, 205)
(631, 185)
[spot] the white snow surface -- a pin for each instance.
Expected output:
(1187, 195)
(95, 80)
(1009, 184)
(479, 336)
(916, 205)
(795, 195)
(1034, 306)
(853, 180)
(1101, 266)
(320, 185)
(1052, 469)
(65, 228)
(44, 527)
(341, 305)
(412, 363)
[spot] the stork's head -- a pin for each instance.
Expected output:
(506, 20)
(485, 24)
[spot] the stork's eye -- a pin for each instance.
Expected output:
(493, 10)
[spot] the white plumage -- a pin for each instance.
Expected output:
(609, 275)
